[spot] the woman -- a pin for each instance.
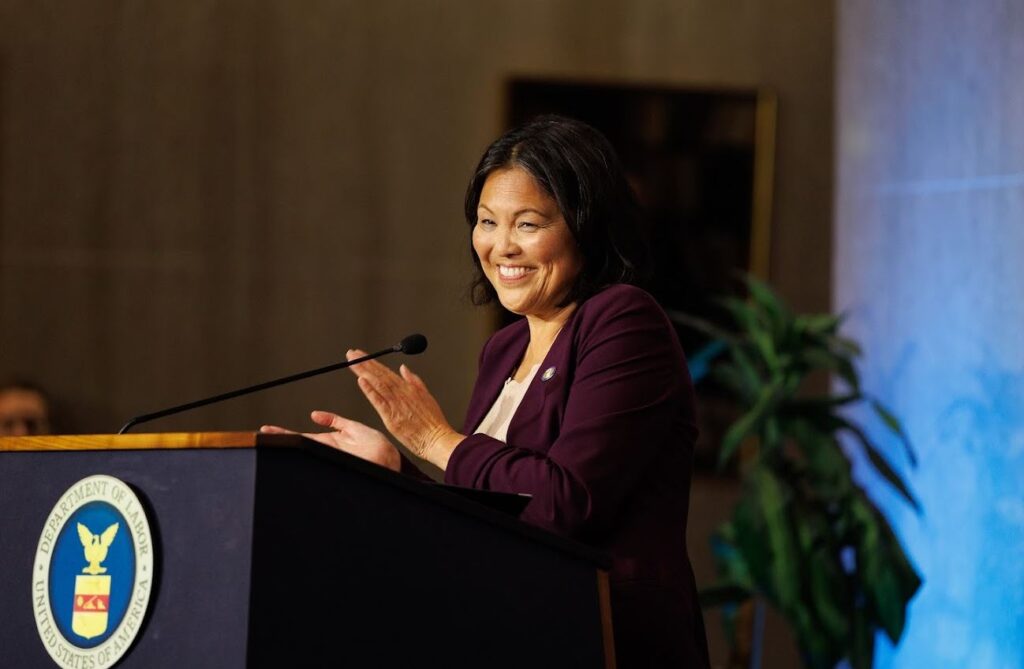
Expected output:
(585, 403)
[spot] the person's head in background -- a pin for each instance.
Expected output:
(24, 409)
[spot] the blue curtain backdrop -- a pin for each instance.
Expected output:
(930, 267)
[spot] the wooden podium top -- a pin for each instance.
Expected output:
(130, 442)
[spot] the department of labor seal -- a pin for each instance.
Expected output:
(93, 574)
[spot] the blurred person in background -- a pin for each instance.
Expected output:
(24, 409)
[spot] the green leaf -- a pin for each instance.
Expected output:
(791, 382)
(887, 577)
(739, 375)
(828, 468)
(896, 427)
(826, 420)
(816, 358)
(797, 407)
(887, 472)
(768, 301)
(751, 540)
(784, 566)
(828, 593)
(771, 435)
(747, 368)
(820, 324)
(862, 641)
(744, 315)
(747, 424)
(880, 464)
(766, 347)
(729, 561)
(844, 346)
(729, 376)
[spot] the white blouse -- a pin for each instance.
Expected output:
(495, 423)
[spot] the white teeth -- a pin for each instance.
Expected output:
(511, 272)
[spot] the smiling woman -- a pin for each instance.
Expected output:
(585, 403)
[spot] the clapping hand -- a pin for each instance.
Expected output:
(351, 437)
(408, 410)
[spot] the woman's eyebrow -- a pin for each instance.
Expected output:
(519, 212)
(531, 210)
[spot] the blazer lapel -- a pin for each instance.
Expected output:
(493, 372)
(550, 376)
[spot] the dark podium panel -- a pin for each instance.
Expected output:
(272, 550)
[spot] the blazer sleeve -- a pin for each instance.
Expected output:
(625, 403)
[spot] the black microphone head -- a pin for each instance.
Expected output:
(414, 344)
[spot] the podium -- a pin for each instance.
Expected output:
(274, 550)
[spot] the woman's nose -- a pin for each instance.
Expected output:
(506, 244)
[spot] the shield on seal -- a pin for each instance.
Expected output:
(92, 603)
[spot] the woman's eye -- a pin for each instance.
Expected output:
(485, 223)
(526, 225)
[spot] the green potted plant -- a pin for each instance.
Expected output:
(803, 535)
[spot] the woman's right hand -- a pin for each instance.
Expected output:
(351, 437)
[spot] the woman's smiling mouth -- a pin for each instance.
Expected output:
(511, 273)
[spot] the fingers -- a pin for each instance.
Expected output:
(394, 409)
(346, 428)
(377, 400)
(274, 429)
(367, 368)
(323, 418)
(383, 382)
(328, 419)
(411, 377)
(382, 375)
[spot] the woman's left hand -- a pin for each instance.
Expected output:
(409, 411)
(351, 437)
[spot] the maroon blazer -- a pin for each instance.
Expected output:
(603, 440)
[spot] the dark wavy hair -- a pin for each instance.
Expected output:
(577, 166)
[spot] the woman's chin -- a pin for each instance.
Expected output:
(515, 308)
(510, 303)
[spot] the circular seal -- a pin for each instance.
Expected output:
(93, 574)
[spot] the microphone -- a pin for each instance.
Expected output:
(414, 344)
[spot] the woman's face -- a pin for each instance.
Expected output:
(524, 244)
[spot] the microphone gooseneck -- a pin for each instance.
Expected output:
(414, 344)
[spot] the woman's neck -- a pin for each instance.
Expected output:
(543, 331)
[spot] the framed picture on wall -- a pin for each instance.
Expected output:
(700, 161)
